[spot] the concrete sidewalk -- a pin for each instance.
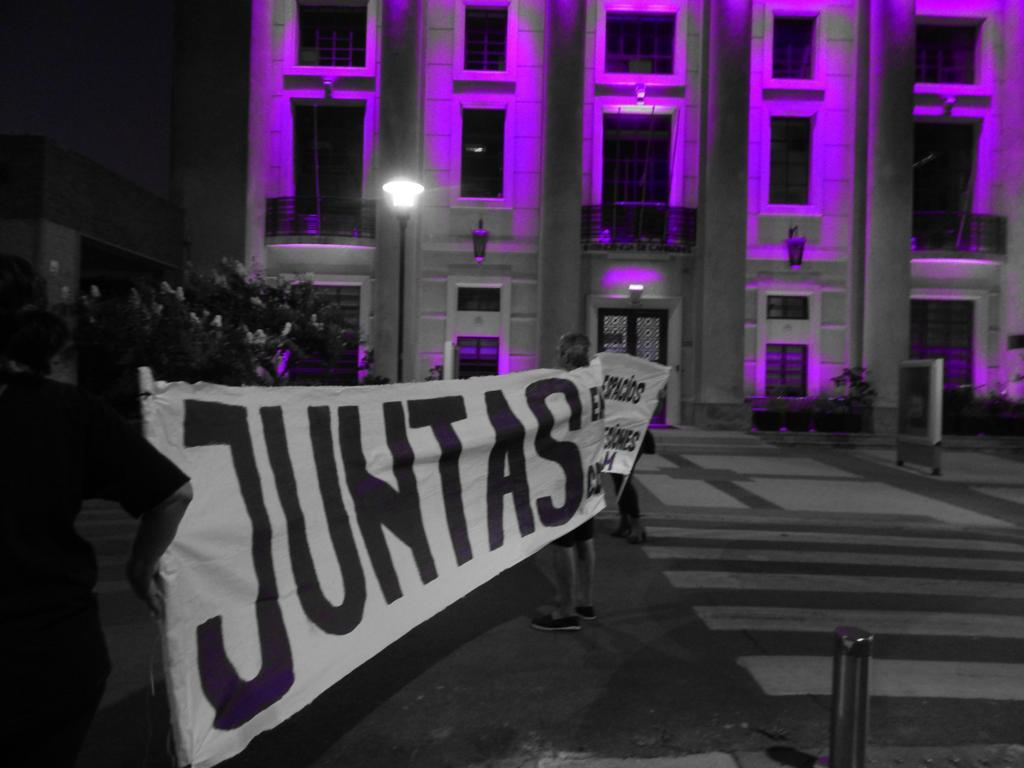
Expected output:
(647, 685)
(973, 756)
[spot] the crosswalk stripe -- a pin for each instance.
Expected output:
(773, 466)
(1014, 493)
(814, 537)
(896, 559)
(733, 618)
(789, 517)
(853, 497)
(812, 675)
(672, 491)
(825, 582)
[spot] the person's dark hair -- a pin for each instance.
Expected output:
(36, 336)
(29, 335)
(574, 350)
(19, 285)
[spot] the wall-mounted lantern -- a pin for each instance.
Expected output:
(795, 247)
(636, 290)
(480, 236)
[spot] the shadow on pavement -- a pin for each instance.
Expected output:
(791, 756)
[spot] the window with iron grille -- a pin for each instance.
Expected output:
(785, 370)
(945, 53)
(636, 157)
(641, 43)
(483, 152)
(479, 299)
(787, 308)
(793, 48)
(332, 36)
(344, 368)
(486, 39)
(789, 175)
(477, 356)
(944, 165)
(345, 301)
(328, 151)
(942, 328)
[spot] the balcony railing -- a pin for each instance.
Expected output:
(320, 216)
(971, 233)
(638, 227)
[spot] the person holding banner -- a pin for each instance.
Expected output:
(58, 447)
(573, 581)
(630, 527)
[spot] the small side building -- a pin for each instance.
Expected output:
(80, 224)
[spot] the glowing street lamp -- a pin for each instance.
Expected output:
(403, 194)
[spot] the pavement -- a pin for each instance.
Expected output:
(712, 648)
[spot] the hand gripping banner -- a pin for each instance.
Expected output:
(631, 386)
(328, 522)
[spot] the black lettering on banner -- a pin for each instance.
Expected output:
(378, 504)
(439, 413)
(236, 701)
(565, 454)
(593, 480)
(509, 436)
(333, 619)
(624, 390)
(596, 404)
(619, 438)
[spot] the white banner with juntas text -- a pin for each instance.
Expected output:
(328, 522)
(631, 388)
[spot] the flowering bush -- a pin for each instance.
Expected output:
(221, 326)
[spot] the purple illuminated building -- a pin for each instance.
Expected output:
(758, 193)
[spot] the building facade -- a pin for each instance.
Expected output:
(757, 193)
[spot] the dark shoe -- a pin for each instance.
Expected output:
(638, 536)
(622, 532)
(586, 612)
(550, 624)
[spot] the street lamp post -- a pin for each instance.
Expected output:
(403, 195)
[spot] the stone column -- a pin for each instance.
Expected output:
(559, 265)
(400, 155)
(722, 216)
(890, 182)
(1012, 171)
(260, 96)
(210, 126)
(858, 217)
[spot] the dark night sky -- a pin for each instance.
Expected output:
(95, 76)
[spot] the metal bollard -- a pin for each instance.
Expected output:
(850, 661)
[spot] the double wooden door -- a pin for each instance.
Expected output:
(639, 332)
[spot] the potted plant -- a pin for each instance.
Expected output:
(798, 415)
(857, 397)
(991, 414)
(975, 418)
(770, 418)
(954, 401)
(829, 415)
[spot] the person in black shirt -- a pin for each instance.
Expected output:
(58, 447)
(574, 553)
